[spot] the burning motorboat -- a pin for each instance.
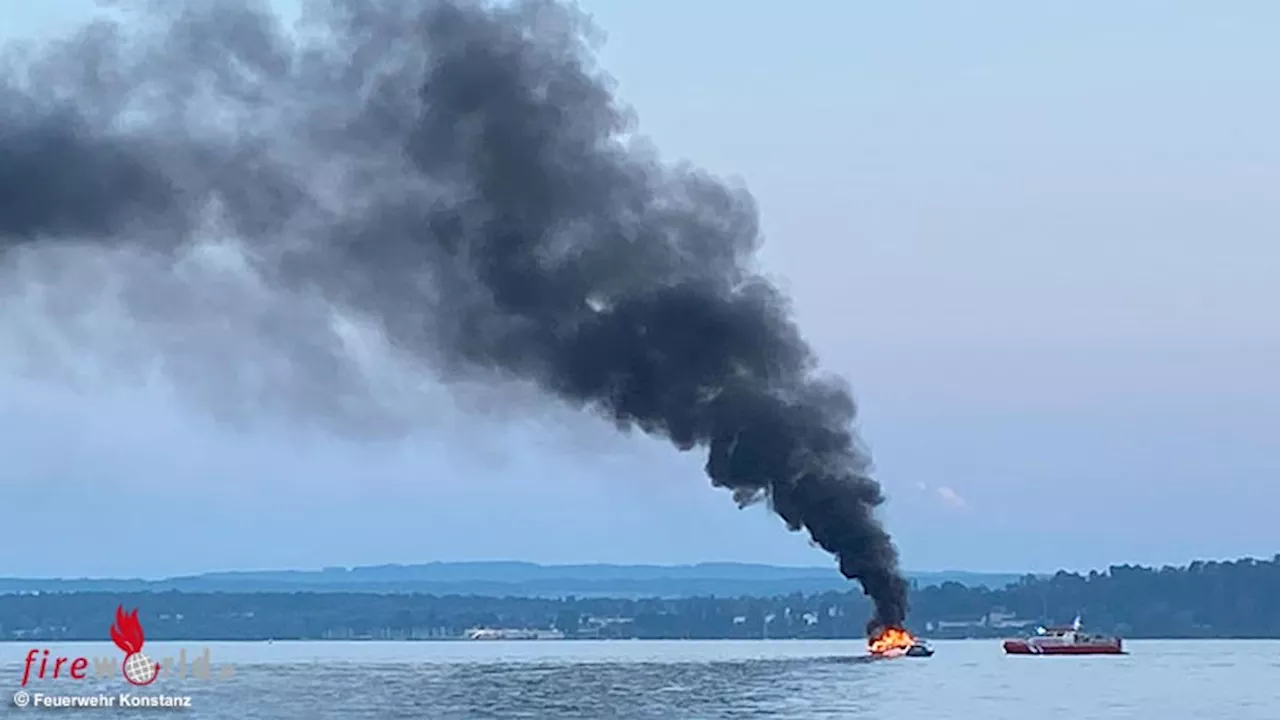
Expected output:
(897, 642)
(920, 649)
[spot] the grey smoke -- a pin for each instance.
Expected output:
(457, 175)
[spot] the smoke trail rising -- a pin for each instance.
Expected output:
(460, 175)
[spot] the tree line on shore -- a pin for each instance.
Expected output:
(1235, 599)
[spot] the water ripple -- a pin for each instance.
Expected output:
(710, 681)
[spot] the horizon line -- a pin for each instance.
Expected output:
(820, 568)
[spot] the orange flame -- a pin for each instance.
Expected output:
(889, 640)
(126, 631)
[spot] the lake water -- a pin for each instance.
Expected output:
(686, 680)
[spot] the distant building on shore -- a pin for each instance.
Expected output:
(998, 619)
(513, 634)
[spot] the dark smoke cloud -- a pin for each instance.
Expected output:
(459, 175)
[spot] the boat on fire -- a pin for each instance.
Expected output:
(897, 642)
(1068, 640)
(921, 648)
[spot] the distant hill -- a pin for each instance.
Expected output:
(511, 579)
(1234, 599)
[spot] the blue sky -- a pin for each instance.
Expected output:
(1040, 239)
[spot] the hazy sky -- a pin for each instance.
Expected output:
(1042, 240)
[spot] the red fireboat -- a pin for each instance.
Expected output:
(1065, 641)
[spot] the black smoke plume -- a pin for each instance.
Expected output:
(460, 175)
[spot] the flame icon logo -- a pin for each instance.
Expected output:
(126, 633)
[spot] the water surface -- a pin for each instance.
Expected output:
(694, 680)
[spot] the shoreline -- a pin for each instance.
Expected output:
(576, 641)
